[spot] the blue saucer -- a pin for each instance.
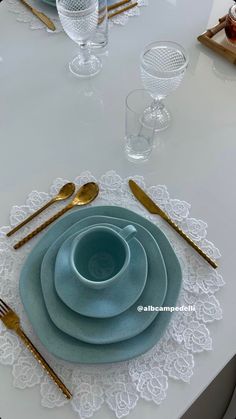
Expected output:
(99, 303)
(109, 330)
(71, 349)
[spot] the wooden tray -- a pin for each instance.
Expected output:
(220, 43)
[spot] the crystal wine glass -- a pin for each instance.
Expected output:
(79, 19)
(163, 65)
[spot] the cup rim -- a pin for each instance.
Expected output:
(100, 284)
(128, 96)
(171, 44)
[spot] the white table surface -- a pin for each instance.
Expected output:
(52, 124)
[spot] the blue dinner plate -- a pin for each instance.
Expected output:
(68, 348)
(98, 303)
(118, 328)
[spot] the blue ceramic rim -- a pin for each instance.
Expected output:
(118, 275)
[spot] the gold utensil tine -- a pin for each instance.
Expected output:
(41, 16)
(12, 321)
(42, 227)
(153, 208)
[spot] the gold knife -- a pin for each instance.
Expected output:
(41, 16)
(153, 208)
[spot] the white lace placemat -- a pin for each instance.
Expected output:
(24, 15)
(120, 385)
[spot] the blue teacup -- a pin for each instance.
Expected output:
(101, 255)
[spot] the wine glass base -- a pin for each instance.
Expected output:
(81, 68)
(156, 119)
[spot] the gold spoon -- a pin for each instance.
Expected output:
(64, 193)
(86, 194)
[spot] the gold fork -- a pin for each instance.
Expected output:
(12, 321)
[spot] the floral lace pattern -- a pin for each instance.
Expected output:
(146, 377)
(24, 15)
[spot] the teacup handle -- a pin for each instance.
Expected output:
(128, 232)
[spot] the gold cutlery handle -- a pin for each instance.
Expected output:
(41, 16)
(118, 4)
(112, 7)
(31, 217)
(187, 238)
(43, 363)
(124, 9)
(153, 208)
(42, 227)
(27, 4)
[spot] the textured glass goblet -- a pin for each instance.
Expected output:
(79, 19)
(163, 65)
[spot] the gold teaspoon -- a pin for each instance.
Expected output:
(86, 194)
(64, 193)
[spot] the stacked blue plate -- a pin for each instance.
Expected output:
(87, 309)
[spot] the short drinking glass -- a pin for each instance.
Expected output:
(138, 137)
(79, 19)
(163, 65)
(100, 38)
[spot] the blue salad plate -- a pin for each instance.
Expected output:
(118, 328)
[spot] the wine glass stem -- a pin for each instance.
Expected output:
(157, 105)
(85, 52)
